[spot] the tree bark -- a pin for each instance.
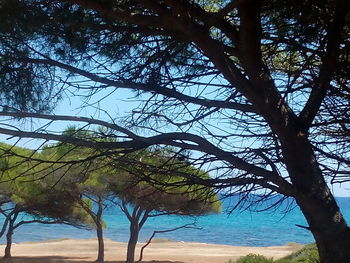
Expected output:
(328, 227)
(10, 230)
(317, 203)
(99, 232)
(9, 240)
(4, 225)
(134, 235)
(101, 247)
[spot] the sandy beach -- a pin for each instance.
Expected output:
(83, 251)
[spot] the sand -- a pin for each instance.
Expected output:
(83, 251)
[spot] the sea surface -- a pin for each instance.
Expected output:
(240, 228)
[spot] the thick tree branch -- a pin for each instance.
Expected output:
(250, 37)
(183, 140)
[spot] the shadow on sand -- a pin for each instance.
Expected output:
(57, 259)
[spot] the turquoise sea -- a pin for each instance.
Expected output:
(240, 228)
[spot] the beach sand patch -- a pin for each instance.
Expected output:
(85, 250)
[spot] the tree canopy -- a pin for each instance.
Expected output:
(257, 88)
(144, 183)
(152, 187)
(25, 191)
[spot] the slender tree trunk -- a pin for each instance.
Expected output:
(97, 218)
(101, 247)
(137, 219)
(99, 231)
(9, 241)
(134, 235)
(317, 203)
(10, 230)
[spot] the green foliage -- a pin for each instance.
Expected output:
(252, 258)
(35, 191)
(308, 254)
(159, 180)
(153, 179)
(24, 87)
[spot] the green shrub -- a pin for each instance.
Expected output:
(252, 258)
(308, 254)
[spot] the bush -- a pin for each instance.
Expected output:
(308, 254)
(252, 258)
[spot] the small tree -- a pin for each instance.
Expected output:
(42, 200)
(141, 199)
(94, 192)
(80, 167)
(120, 175)
(51, 207)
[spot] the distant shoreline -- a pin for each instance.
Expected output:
(84, 250)
(155, 240)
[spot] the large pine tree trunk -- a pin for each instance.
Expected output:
(134, 235)
(328, 227)
(317, 203)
